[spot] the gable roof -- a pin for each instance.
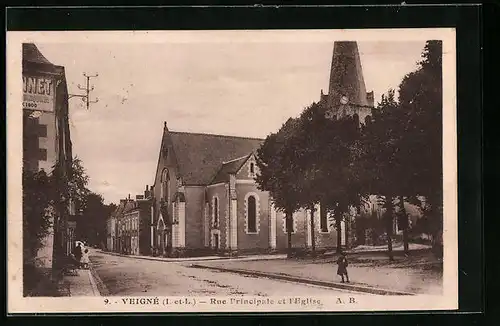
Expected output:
(199, 156)
(230, 167)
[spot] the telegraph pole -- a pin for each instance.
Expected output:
(87, 89)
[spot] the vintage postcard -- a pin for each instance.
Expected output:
(232, 171)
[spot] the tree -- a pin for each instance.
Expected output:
(77, 183)
(277, 173)
(91, 224)
(38, 197)
(420, 95)
(383, 152)
(308, 155)
(325, 154)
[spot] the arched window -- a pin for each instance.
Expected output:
(252, 168)
(165, 185)
(368, 120)
(216, 212)
(252, 214)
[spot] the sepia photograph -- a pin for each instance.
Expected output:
(198, 171)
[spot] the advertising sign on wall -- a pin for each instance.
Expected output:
(38, 93)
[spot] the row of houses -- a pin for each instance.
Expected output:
(128, 225)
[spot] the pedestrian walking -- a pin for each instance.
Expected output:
(342, 267)
(85, 259)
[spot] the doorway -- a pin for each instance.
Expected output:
(216, 242)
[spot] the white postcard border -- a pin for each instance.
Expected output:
(18, 304)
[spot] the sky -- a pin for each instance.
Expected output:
(230, 88)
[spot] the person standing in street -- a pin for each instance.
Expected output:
(342, 267)
(85, 259)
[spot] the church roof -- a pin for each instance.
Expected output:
(230, 167)
(199, 156)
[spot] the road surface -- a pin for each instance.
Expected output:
(125, 276)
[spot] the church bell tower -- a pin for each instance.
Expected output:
(347, 94)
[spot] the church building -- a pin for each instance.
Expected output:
(205, 198)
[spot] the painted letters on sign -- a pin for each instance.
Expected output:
(38, 93)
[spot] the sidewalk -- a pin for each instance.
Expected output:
(370, 279)
(200, 259)
(80, 284)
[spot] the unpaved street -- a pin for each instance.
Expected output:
(125, 276)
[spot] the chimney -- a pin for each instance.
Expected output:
(147, 192)
(128, 196)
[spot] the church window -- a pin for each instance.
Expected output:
(368, 120)
(252, 169)
(216, 212)
(252, 214)
(165, 185)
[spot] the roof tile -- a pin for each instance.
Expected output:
(200, 156)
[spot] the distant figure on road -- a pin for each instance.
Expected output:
(78, 253)
(342, 269)
(85, 259)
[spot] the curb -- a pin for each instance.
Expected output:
(95, 289)
(97, 284)
(342, 286)
(161, 259)
(173, 260)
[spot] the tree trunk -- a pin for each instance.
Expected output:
(313, 240)
(389, 246)
(389, 224)
(436, 223)
(347, 230)
(404, 224)
(289, 226)
(338, 226)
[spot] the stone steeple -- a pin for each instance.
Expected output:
(347, 91)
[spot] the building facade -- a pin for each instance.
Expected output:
(111, 233)
(47, 143)
(128, 227)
